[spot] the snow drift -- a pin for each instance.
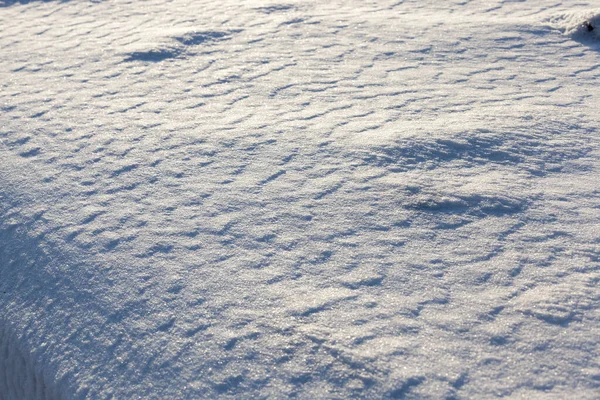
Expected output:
(340, 199)
(582, 25)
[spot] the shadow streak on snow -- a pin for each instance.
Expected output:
(588, 34)
(196, 38)
(535, 153)
(508, 149)
(8, 3)
(155, 55)
(476, 205)
(180, 46)
(275, 8)
(592, 43)
(405, 155)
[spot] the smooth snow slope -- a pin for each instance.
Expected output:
(312, 199)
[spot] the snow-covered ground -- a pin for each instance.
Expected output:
(313, 199)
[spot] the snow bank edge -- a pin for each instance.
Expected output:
(19, 377)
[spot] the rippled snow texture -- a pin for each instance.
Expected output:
(333, 199)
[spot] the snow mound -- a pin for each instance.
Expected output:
(582, 25)
(314, 200)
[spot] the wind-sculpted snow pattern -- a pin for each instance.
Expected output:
(310, 199)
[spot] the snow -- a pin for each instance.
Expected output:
(341, 199)
(582, 25)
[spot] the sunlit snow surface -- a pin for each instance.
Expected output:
(312, 199)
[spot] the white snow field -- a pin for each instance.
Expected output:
(337, 199)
